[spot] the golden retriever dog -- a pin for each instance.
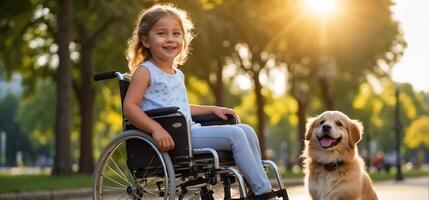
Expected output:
(333, 168)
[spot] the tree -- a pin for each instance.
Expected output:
(16, 139)
(89, 47)
(92, 21)
(34, 21)
(36, 113)
(331, 55)
(282, 121)
(212, 44)
(14, 21)
(62, 159)
(251, 55)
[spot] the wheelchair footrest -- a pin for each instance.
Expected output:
(268, 195)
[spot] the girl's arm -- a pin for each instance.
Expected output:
(200, 109)
(219, 111)
(132, 111)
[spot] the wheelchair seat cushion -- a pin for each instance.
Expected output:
(225, 158)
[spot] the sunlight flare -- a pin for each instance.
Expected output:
(322, 7)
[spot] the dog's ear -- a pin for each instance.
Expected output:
(310, 127)
(355, 132)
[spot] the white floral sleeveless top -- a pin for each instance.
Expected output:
(165, 90)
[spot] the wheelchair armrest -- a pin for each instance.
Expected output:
(161, 111)
(212, 119)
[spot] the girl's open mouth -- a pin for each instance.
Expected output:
(170, 48)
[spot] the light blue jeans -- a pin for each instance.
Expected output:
(241, 139)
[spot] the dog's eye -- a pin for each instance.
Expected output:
(339, 123)
(322, 122)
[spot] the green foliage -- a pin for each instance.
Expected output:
(14, 20)
(199, 92)
(37, 114)
(16, 138)
(282, 117)
(109, 117)
(376, 109)
(417, 134)
(247, 109)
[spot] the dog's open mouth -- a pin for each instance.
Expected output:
(327, 142)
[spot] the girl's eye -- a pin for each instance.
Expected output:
(339, 123)
(177, 33)
(161, 33)
(322, 122)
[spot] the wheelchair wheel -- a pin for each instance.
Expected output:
(116, 177)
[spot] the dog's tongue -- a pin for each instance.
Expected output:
(326, 141)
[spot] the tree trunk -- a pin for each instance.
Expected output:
(302, 120)
(62, 159)
(300, 93)
(86, 102)
(368, 147)
(327, 94)
(288, 158)
(219, 86)
(260, 112)
(86, 93)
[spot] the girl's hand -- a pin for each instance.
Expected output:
(222, 112)
(163, 140)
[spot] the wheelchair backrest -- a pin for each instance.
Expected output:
(175, 124)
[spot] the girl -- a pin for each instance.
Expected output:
(159, 43)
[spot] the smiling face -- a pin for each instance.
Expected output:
(165, 39)
(333, 130)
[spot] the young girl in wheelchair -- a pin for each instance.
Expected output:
(159, 43)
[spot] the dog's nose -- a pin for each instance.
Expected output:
(326, 127)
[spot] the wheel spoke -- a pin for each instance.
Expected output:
(113, 180)
(144, 175)
(113, 188)
(156, 170)
(114, 171)
(123, 195)
(137, 196)
(150, 192)
(123, 156)
(120, 171)
(153, 179)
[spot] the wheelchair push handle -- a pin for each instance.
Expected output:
(105, 75)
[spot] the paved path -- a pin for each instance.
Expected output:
(409, 189)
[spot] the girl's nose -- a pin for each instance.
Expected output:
(170, 39)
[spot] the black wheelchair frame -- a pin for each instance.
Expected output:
(132, 167)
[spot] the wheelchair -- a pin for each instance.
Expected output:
(132, 167)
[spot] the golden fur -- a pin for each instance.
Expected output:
(349, 180)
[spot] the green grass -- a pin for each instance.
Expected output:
(381, 176)
(375, 176)
(19, 183)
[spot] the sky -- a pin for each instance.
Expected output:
(414, 65)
